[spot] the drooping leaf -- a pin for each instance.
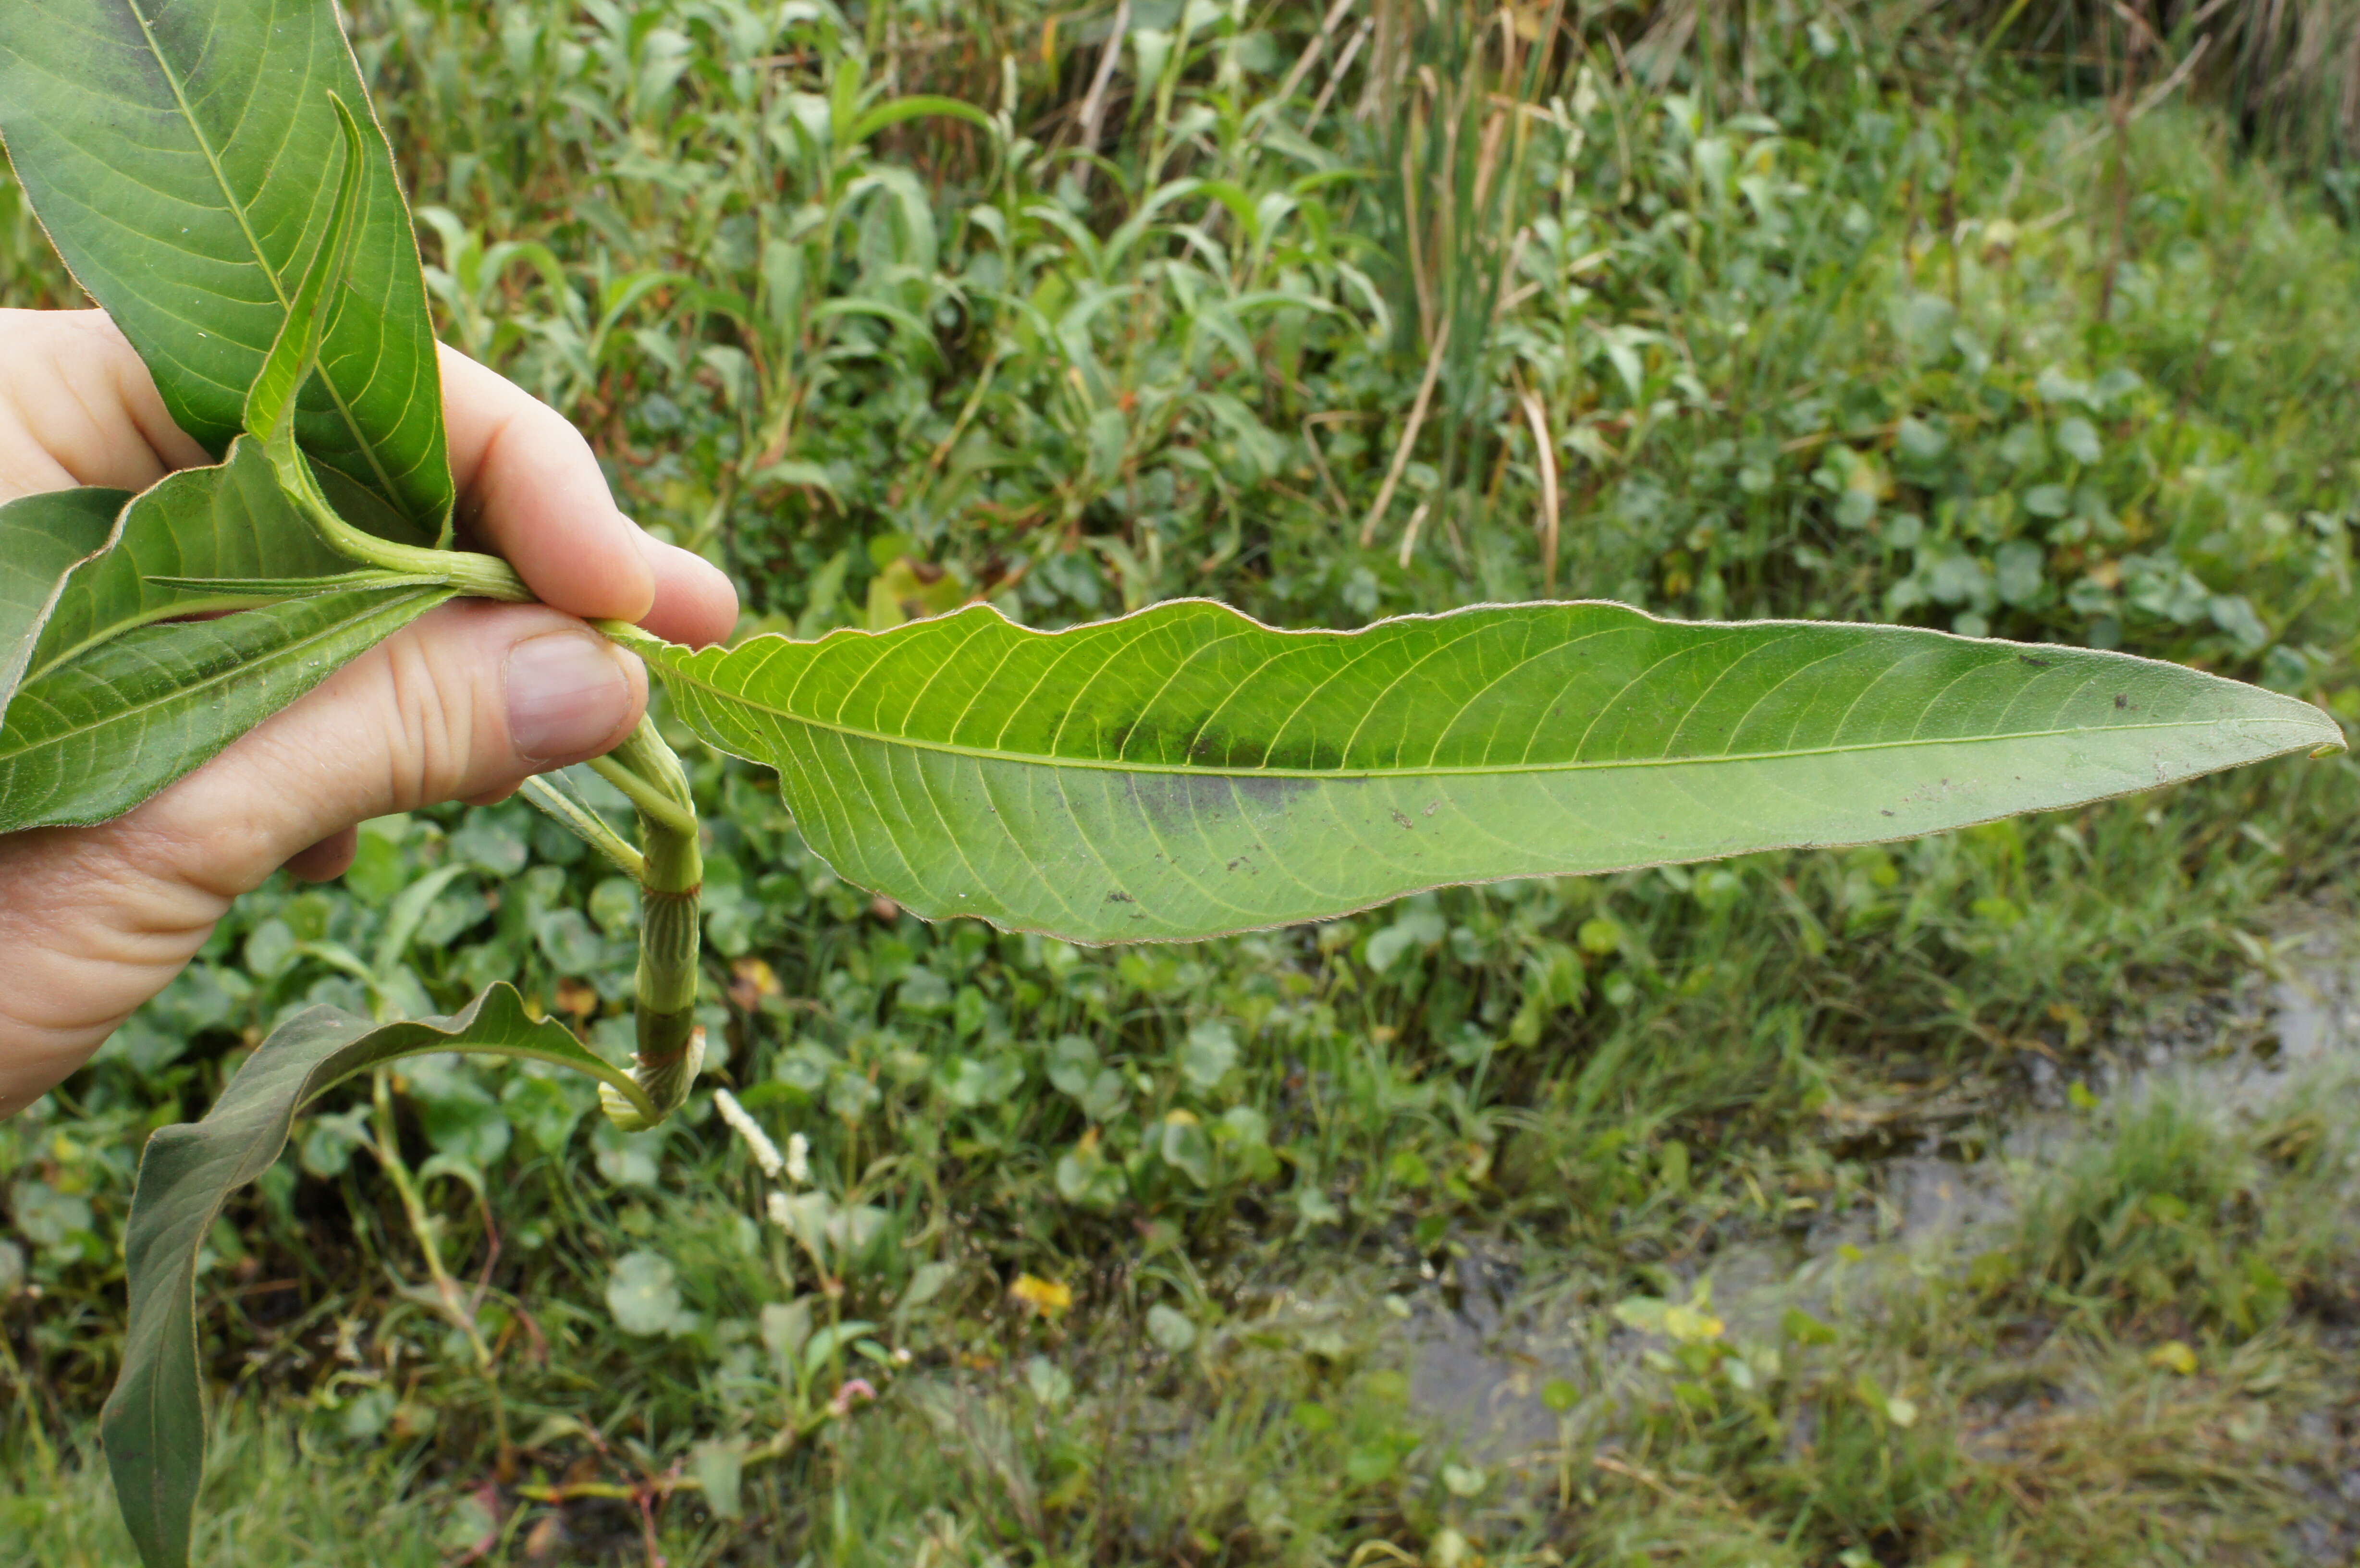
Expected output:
(95, 735)
(1186, 771)
(42, 538)
(182, 154)
(154, 1423)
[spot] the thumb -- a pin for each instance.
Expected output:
(463, 705)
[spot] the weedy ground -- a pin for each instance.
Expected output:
(1813, 1209)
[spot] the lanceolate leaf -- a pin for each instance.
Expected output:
(42, 538)
(117, 701)
(154, 1423)
(97, 735)
(1186, 771)
(184, 156)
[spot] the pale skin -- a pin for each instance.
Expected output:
(463, 705)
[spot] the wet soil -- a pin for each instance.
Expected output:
(1484, 1339)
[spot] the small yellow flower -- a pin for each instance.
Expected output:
(1045, 1297)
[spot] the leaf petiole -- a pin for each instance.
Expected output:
(586, 825)
(651, 800)
(270, 406)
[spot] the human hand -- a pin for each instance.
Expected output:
(463, 704)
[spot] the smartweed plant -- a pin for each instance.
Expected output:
(210, 172)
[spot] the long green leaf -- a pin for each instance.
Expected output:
(181, 154)
(916, 106)
(154, 1424)
(1186, 771)
(95, 735)
(42, 539)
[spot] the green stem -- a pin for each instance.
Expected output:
(671, 1046)
(475, 576)
(654, 802)
(586, 825)
(386, 1147)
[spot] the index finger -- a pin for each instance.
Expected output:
(530, 488)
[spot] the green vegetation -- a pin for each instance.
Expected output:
(1136, 1254)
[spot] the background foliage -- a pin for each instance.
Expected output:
(1145, 1255)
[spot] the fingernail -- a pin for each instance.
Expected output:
(566, 695)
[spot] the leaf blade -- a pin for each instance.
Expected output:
(178, 154)
(138, 702)
(119, 700)
(153, 1423)
(269, 411)
(44, 539)
(222, 522)
(1184, 771)
(102, 734)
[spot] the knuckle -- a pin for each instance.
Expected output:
(433, 707)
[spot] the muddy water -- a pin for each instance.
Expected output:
(1481, 1345)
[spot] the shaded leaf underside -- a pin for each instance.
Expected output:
(1186, 771)
(230, 521)
(119, 701)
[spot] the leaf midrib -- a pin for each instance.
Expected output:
(229, 196)
(243, 668)
(181, 609)
(676, 673)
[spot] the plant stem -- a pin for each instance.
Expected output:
(654, 802)
(387, 1146)
(586, 825)
(475, 576)
(671, 1046)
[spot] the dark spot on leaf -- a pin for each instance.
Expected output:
(1119, 896)
(2121, 701)
(1402, 821)
(2036, 663)
(1183, 803)
(1888, 813)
